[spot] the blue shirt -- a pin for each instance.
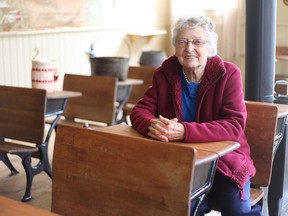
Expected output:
(189, 99)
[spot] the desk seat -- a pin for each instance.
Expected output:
(22, 114)
(264, 131)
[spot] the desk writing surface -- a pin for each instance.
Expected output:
(221, 148)
(204, 150)
(204, 157)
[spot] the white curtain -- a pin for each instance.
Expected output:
(231, 27)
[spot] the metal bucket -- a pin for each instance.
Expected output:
(110, 66)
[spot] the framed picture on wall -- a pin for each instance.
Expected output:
(19, 15)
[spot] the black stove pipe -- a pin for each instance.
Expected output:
(260, 50)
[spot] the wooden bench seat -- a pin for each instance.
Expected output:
(262, 119)
(260, 130)
(256, 195)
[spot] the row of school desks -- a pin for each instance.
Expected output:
(210, 151)
(205, 151)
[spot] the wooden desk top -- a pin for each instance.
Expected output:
(63, 94)
(282, 110)
(12, 207)
(130, 81)
(204, 157)
(205, 151)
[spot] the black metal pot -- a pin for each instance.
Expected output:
(109, 66)
(280, 98)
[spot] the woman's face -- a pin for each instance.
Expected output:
(192, 49)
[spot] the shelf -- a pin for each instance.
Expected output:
(149, 34)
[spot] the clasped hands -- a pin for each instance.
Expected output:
(166, 130)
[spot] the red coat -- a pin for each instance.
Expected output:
(221, 111)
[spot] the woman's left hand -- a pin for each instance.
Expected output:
(166, 129)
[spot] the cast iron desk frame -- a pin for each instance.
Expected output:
(56, 103)
(124, 89)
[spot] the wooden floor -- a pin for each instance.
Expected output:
(14, 186)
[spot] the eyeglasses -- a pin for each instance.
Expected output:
(182, 43)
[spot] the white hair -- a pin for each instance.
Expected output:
(190, 22)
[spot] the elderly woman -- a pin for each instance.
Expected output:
(196, 96)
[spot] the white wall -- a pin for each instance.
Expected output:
(69, 48)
